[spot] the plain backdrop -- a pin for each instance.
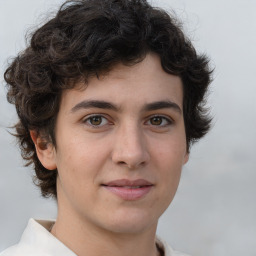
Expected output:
(214, 211)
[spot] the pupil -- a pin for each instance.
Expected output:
(156, 120)
(96, 120)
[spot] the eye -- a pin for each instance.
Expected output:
(159, 121)
(96, 121)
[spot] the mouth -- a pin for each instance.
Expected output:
(129, 190)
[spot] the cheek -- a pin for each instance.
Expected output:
(76, 174)
(170, 154)
(169, 158)
(80, 160)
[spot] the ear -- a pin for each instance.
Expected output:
(45, 150)
(186, 158)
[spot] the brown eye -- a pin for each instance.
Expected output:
(160, 121)
(95, 120)
(156, 120)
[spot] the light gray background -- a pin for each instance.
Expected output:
(214, 212)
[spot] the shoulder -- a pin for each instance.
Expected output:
(26, 245)
(37, 240)
(168, 251)
(21, 250)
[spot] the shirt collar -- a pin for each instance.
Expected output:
(37, 235)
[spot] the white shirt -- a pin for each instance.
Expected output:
(38, 241)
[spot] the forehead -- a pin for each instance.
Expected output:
(143, 82)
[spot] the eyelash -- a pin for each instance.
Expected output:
(89, 119)
(168, 121)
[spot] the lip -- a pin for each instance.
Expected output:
(129, 190)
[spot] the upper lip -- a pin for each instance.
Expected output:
(128, 183)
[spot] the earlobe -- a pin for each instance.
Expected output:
(186, 158)
(45, 150)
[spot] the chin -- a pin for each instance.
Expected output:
(132, 222)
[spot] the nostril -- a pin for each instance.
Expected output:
(122, 163)
(132, 165)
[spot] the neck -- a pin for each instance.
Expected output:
(85, 239)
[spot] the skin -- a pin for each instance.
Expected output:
(131, 141)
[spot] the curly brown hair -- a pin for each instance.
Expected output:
(86, 38)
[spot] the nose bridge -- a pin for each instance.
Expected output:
(130, 147)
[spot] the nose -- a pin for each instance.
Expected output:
(130, 148)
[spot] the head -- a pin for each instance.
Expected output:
(86, 40)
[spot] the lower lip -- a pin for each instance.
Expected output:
(129, 194)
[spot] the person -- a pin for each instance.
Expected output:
(110, 97)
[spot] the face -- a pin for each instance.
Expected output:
(120, 147)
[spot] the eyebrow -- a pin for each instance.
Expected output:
(107, 105)
(162, 104)
(94, 104)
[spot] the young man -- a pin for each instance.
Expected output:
(109, 97)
